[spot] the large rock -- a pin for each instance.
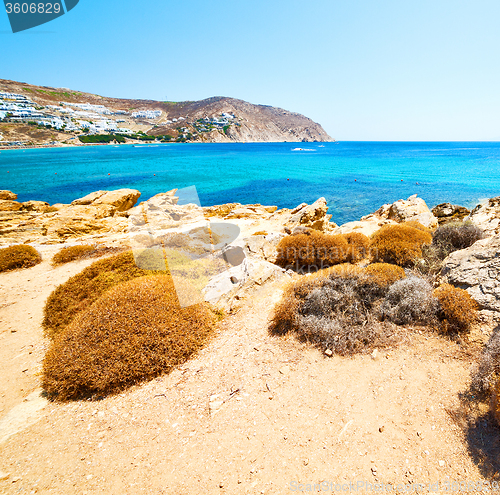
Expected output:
(9, 195)
(487, 216)
(311, 216)
(414, 208)
(367, 227)
(89, 199)
(8, 205)
(228, 288)
(39, 206)
(477, 270)
(121, 199)
(446, 212)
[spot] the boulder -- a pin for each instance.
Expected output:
(121, 199)
(446, 212)
(312, 216)
(413, 208)
(477, 270)
(227, 288)
(7, 195)
(487, 216)
(89, 199)
(39, 206)
(8, 205)
(367, 227)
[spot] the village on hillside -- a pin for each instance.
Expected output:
(87, 121)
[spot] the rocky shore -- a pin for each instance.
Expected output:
(114, 219)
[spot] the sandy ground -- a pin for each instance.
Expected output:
(250, 414)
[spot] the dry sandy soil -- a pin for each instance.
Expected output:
(251, 413)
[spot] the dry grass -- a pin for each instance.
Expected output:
(359, 246)
(72, 253)
(312, 249)
(335, 310)
(134, 332)
(417, 225)
(458, 309)
(487, 372)
(80, 291)
(385, 274)
(19, 256)
(398, 244)
(410, 302)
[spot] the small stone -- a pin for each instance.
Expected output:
(16, 479)
(100, 414)
(306, 462)
(375, 354)
(381, 429)
(284, 370)
(419, 433)
(374, 469)
(4, 476)
(221, 485)
(89, 476)
(441, 463)
(329, 352)
(215, 406)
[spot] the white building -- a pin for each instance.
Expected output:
(147, 114)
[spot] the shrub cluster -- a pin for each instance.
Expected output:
(19, 256)
(359, 246)
(134, 332)
(80, 291)
(487, 372)
(399, 244)
(312, 249)
(335, 309)
(458, 311)
(385, 274)
(410, 301)
(453, 236)
(72, 253)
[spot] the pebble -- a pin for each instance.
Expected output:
(441, 463)
(381, 429)
(329, 352)
(375, 354)
(284, 370)
(4, 476)
(306, 462)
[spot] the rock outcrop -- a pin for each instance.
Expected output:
(413, 208)
(446, 212)
(120, 199)
(487, 216)
(310, 216)
(9, 195)
(477, 270)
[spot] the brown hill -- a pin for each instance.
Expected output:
(251, 123)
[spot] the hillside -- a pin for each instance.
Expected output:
(73, 113)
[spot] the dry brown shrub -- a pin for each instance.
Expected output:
(19, 256)
(334, 311)
(134, 332)
(416, 225)
(398, 244)
(313, 249)
(385, 274)
(71, 253)
(80, 291)
(495, 402)
(359, 246)
(458, 309)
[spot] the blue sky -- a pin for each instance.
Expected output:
(364, 69)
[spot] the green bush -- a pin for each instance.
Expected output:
(102, 138)
(136, 331)
(19, 256)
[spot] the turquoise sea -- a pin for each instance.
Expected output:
(355, 177)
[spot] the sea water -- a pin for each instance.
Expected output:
(354, 177)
